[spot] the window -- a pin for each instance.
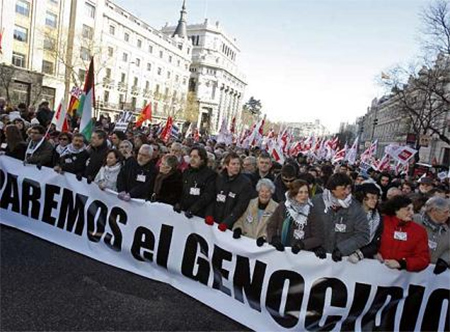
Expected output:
(89, 10)
(123, 77)
(135, 81)
(125, 57)
(23, 7)
(54, 2)
(84, 53)
(49, 43)
(161, 54)
(18, 59)
(178, 63)
(108, 73)
(149, 66)
(20, 34)
(47, 67)
(177, 78)
(82, 74)
(110, 51)
(157, 88)
(159, 70)
(168, 74)
(170, 58)
(150, 49)
(166, 93)
(147, 85)
(87, 32)
(50, 19)
(138, 62)
(106, 96)
(126, 36)
(139, 43)
(112, 30)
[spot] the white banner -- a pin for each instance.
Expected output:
(259, 287)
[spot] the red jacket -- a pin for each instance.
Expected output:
(414, 250)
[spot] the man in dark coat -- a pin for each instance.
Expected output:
(73, 158)
(97, 154)
(136, 178)
(233, 193)
(198, 184)
(283, 181)
(39, 151)
(263, 169)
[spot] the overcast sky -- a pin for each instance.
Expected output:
(306, 59)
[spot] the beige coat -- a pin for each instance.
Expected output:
(248, 222)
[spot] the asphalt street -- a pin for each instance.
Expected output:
(46, 287)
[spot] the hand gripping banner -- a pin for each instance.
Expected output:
(257, 286)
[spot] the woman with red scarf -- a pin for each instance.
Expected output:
(404, 243)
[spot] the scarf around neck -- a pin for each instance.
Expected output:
(70, 149)
(373, 217)
(297, 211)
(331, 201)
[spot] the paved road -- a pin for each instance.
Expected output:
(46, 287)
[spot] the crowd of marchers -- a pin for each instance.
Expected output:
(302, 205)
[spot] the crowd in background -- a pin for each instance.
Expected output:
(304, 204)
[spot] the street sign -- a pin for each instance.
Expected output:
(425, 140)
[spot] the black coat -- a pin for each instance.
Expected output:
(256, 177)
(135, 179)
(74, 163)
(195, 200)
(171, 188)
(18, 152)
(231, 200)
(280, 190)
(95, 161)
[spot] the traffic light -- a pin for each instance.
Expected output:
(375, 122)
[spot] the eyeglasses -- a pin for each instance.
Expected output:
(288, 180)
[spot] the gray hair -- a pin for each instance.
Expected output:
(251, 159)
(147, 149)
(265, 183)
(437, 203)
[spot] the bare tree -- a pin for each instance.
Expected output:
(7, 74)
(435, 32)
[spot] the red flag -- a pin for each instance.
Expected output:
(146, 114)
(165, 134)
(1, 37)
(233, 126)
(196, 135)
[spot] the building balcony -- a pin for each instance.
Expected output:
(135, 90)
(122, 86)
(147, 93)
(106, 105)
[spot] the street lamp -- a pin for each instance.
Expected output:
(128, 82)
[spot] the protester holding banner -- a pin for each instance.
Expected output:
(73, 158)
(97, 154)
(39, 151)
(368, 194)
(233, 193)
(198, 185)
(253, 223)
(106, 178)
(404, 243)
(14, 145)
(136, 177)
(344, 221)
(290, 225)
(168, 185)
(434, 219)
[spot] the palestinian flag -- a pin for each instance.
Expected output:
(87, 101)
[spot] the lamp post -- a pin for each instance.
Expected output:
(128, 83)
